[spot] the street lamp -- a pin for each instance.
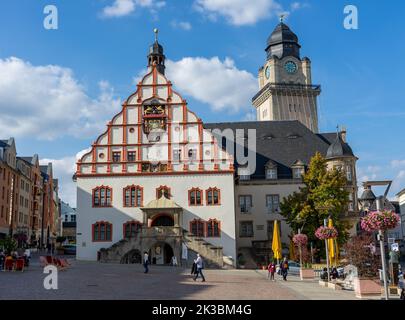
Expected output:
(367, 201)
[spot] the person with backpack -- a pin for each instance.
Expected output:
(284, 268)
(199, 266)
(272, 270)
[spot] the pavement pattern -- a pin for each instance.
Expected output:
(99, 281)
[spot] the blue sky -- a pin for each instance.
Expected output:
(65, 84)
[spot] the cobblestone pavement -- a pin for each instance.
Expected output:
(92, 280)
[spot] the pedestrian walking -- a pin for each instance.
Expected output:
(146, 262)
(284, 268)
(272, 270)
(174, 261)
(199, 263)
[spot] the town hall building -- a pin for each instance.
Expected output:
(160, 180)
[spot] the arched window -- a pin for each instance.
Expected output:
(213, 197)
(213, 228)
(131, 229)
(197, 227)
(195, 197)
(133, 196)
(102, 196)
(163, 190)
(102, 231)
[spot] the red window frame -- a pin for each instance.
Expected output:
(210, 195)
(163, 188)
(199, 225)
(96, 231)
(102, 197)
(213, 229)
(135, 196)
(134, 228)
(192, 197)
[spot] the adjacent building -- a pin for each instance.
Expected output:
(28, 198)
(68, 219)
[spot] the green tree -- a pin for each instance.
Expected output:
(323, 195)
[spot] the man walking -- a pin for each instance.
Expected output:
(199, 265)
(146, 262)
(284, 269)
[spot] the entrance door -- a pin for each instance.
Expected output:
(162, 254)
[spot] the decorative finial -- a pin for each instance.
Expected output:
(282, 16)
(156, 31)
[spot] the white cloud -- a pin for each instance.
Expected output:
(299, 5)
(215, 82)
(184, 25)
(63, 170)
(120, 8)
(47, 102)
(397, 163)
(239, 12)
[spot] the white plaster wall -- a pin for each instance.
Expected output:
(179, 184)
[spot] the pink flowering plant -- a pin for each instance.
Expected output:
(324, 233)
(300, 240)
(380, 220)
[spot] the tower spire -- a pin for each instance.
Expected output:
(156, 56)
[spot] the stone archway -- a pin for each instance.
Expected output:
(162, 220)
(132, 257)
(161, 253)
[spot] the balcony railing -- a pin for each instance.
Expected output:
(161, 232)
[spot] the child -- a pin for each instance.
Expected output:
(272, 270)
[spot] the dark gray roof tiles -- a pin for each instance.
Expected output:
(282, 142)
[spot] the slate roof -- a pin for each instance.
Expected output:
(339, 149)
(26, 159)
(283, 142)
(4, 143)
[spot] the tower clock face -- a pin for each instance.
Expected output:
(267, 72)
(290, 67)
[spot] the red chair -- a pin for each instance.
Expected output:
(9, 265)
(19, 265)
(49, 260)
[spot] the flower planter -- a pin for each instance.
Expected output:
(366, 287)
(307, 274)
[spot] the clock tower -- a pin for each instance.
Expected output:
(286, 89)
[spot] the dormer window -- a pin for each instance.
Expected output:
(271, 173)
(244, 173)
(271, 170)
(298, 169)
(298, 173)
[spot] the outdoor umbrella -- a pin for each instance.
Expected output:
(276, 245)
(292, 249)
(331, 245)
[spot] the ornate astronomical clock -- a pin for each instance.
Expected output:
(154, 117)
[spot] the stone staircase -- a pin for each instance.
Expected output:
(212, 255)
(121, 251)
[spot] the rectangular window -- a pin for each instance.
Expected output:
(349, 173)
(73, 218)
(131, 156)
(297, 173)
(108, 197)
(192, 154)
(271, 174)
(102, 196)
(245, 204)
(66, 218)
(177, 155)
(246, 229)
(116, 156)
(273, 203)
(96, 232)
